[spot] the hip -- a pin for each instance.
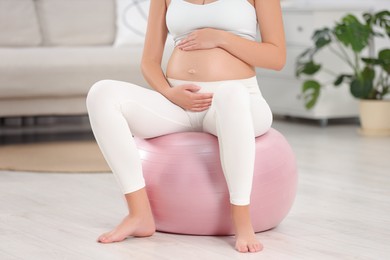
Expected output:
(260, 111)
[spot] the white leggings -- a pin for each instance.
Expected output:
(120, 110)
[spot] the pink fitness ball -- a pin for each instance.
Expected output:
(188, 192)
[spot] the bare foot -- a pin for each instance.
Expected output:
(246, 240)
(130, 226)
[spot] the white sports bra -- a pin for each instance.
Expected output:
(235, 16)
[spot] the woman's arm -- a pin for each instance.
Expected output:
(156, 35)
(270, 53)
(184, 96)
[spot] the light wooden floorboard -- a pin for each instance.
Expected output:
(342, 209)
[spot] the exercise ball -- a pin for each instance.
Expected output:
(188, 191)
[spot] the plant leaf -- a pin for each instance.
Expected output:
(382, 19)
(363, 86)
(322, 37)
(308, 52)
(340, 79)
(383, 60)
(371, 61)
(368, 17)
(311, 92)
(307, 68)
(352, 33)
(384, 57)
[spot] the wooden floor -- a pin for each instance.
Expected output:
(342, 209)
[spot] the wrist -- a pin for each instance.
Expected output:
(166, 92)
(223, 38)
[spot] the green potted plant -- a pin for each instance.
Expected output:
(368, 78)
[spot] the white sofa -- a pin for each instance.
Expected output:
(52, 51)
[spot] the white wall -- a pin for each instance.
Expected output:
(330, 4)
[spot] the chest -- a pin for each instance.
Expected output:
(222, 14)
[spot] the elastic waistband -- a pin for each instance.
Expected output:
(250, 83)
(251, 80)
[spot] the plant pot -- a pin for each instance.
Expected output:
(375, 117)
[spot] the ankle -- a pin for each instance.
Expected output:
(138, 204)
(240, 212)
(241, 218)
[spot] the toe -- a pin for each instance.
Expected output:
(252, 248)
(110, 239)
(242, 248)
(258, 247)
(106, 238)
(101, 239)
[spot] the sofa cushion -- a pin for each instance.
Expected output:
(66, 71)
(18, 23)
(63, 71)
(77, 22)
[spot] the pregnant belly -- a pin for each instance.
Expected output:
(207, 65)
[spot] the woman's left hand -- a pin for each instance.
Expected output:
(206, 38)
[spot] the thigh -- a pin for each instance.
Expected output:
(147, 112)
(261, 116)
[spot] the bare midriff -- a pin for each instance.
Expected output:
(207, 65)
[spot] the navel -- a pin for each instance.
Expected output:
(192, 71)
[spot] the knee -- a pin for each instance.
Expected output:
(98, 92)
(231, 94)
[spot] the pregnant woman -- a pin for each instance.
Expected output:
(210, 85)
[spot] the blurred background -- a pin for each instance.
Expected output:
(330, 101)
(52, 51)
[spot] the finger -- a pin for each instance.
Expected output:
(185, 42)
(180, 44)
(199, 109)
(187, 39)
(201, 105)
(190, 46)
(203, 95)
(192, 88)
(184, 46)
(203, 101)
(189, 87)
(191, 37)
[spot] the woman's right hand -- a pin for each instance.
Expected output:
(186, 97)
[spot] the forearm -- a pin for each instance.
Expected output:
(258, 54)
(154, 75)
